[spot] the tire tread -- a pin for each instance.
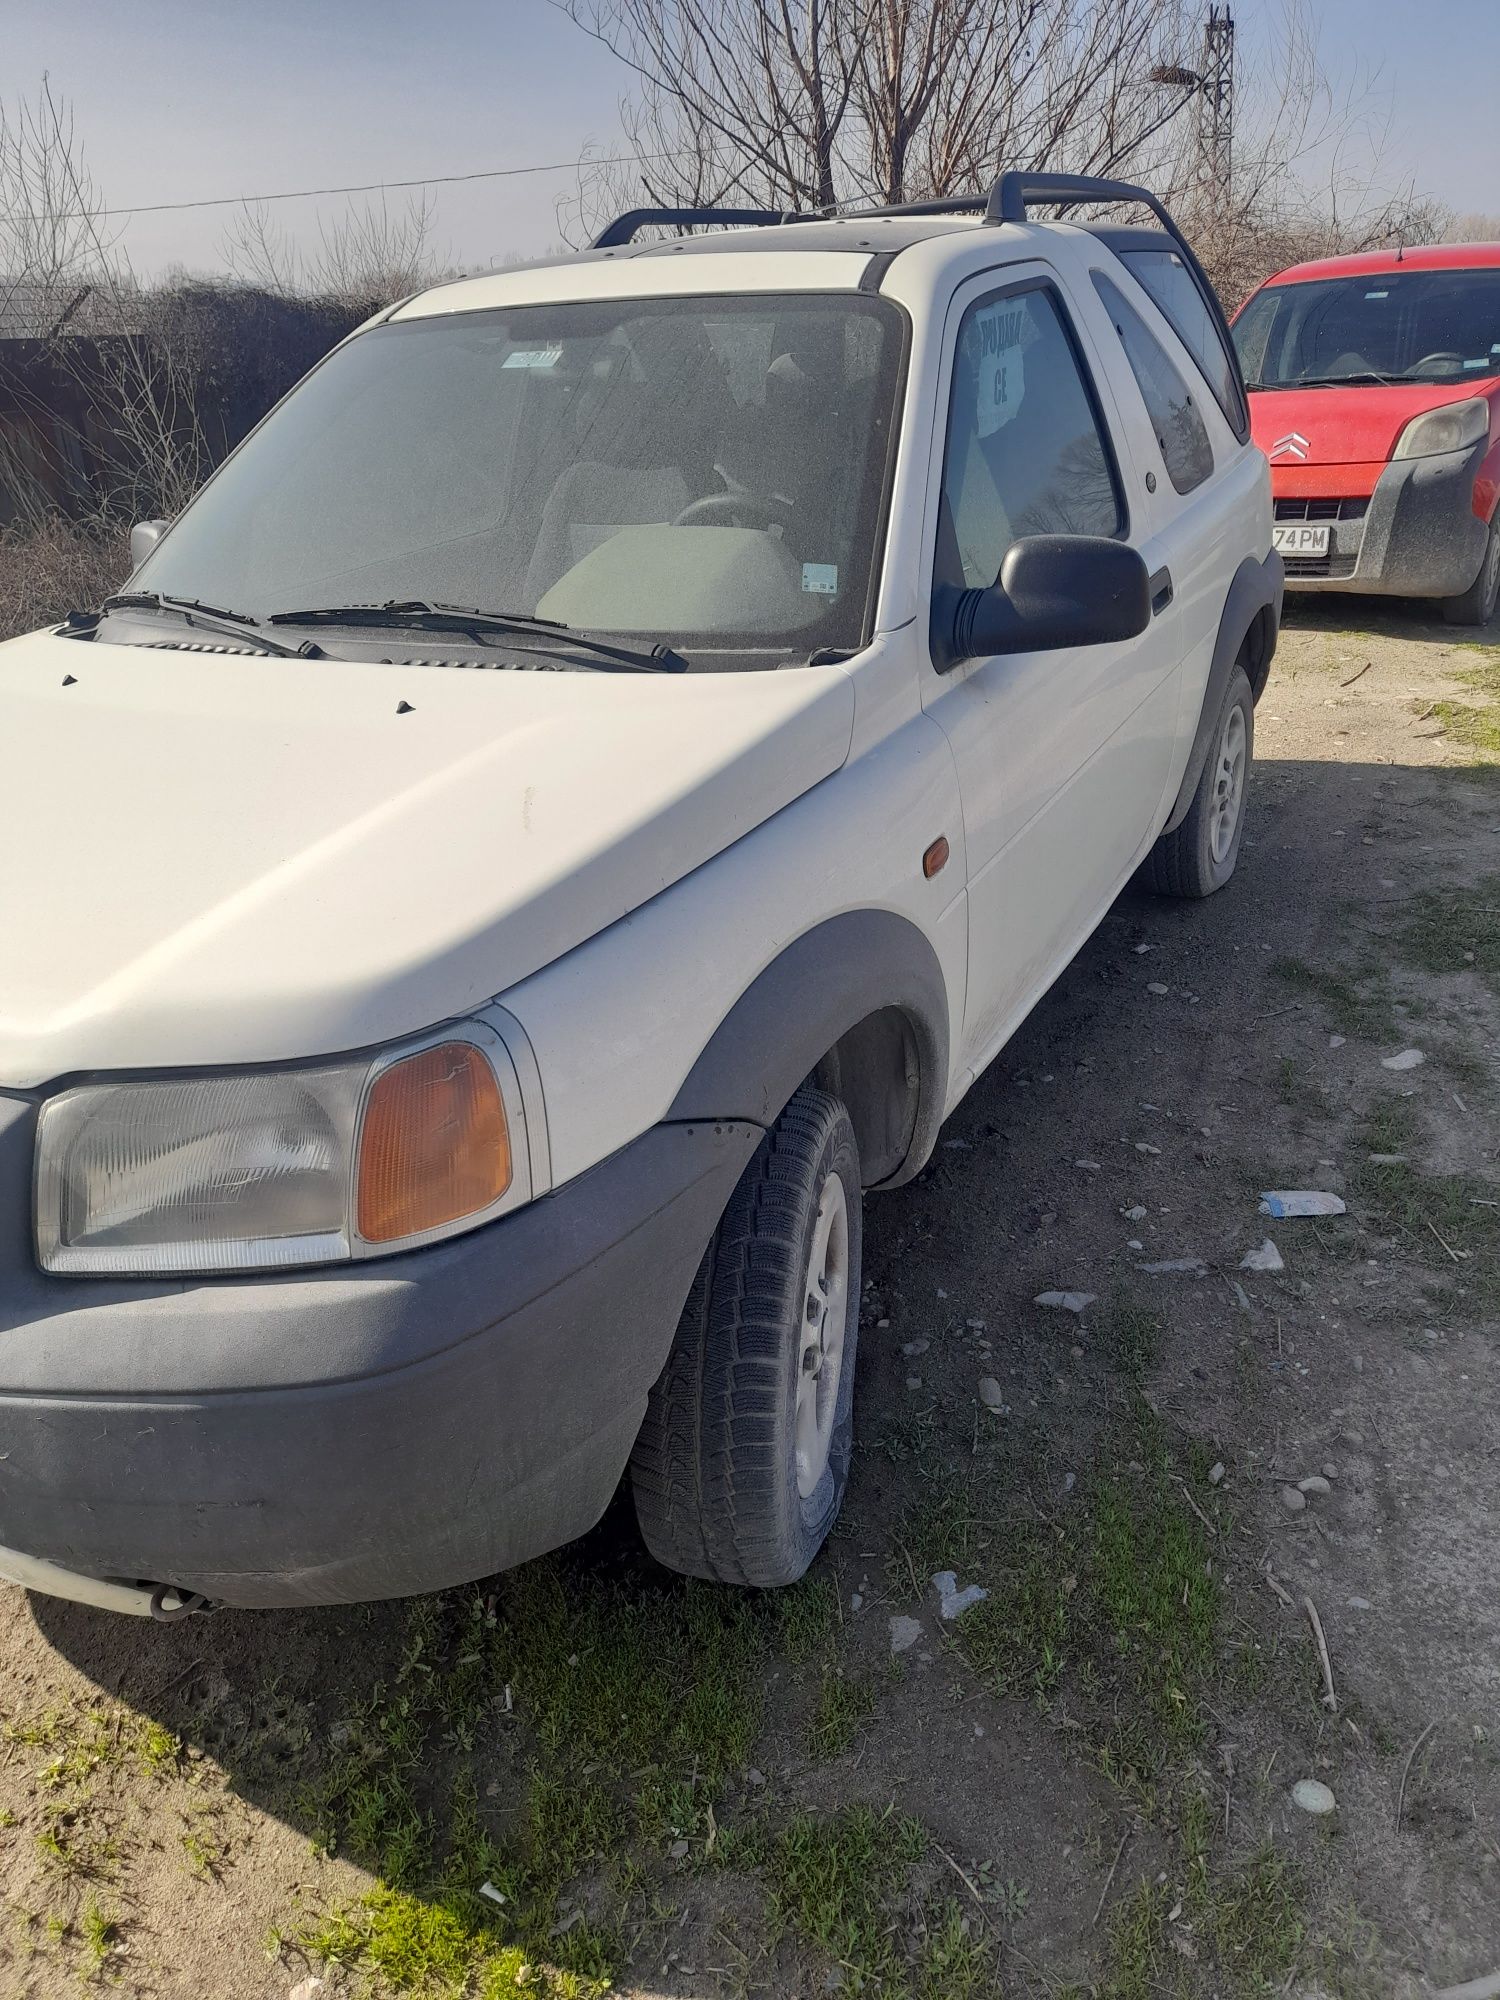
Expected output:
(709, 1459)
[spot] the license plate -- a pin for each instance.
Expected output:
(1301, 538)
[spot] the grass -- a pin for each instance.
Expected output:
(1477, 728)
(1357, 1003)
(1116, 1608)
(1455, 930)
(99, 1935)
(843, 1883)
(1445, 1220)
(1245, 1926)
(638, 1703)
(1120, 1609)
(416, 1944)
(845, 1704)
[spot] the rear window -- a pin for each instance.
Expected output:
(1179, 298)
(1399, 326)
(1180, 434)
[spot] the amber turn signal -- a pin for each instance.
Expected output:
(936, 856)
(434, 1145)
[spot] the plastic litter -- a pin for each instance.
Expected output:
(953, 1602)
(1073, 1302)
(1266, 1258)
(1285, 1204)
(1408, 1059)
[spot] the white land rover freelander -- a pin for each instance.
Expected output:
(576, 800)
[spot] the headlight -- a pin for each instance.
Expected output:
(271, 1168)
(1451, 428)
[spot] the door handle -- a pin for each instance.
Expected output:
(1160, 587)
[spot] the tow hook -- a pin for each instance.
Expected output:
(168, 1604)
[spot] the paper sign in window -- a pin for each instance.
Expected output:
(998, 334)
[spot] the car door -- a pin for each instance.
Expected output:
(1062, 756)
(1206, 482)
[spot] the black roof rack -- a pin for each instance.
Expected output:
(1007, 201)
(625, 228)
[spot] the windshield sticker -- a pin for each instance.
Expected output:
(533, 357)
(822, 579)
(1001, 332)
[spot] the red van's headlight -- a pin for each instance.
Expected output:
(1453, 427)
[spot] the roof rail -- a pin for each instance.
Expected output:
(943, 204)
(625, 228)
(1013, 193)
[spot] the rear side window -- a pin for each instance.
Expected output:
(1027, 452)
(1179, 298)
(1180, 432)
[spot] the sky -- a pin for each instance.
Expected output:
(178, 100)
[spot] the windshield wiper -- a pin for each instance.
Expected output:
(1360, 378)
(208, 617)
(429, 617)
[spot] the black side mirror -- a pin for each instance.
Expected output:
(1053, 591)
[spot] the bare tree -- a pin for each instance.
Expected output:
(831, 103)
(371, 253)
(1471, 228)
(104, 389)
(834, 102)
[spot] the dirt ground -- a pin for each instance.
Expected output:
(1084, 1785)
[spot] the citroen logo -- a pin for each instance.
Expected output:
(1293, 445)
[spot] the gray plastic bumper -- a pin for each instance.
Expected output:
(1420, 536)
(338, 1435)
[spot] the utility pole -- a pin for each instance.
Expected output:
(1211, 85)
(1215, 151)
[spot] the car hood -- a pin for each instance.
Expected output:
(210, 858)
(1353, 426)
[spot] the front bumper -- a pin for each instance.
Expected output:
(1418, 535)
(359, 1432)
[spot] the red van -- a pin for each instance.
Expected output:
(1375, 393)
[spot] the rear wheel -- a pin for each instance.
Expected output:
(1199, 856)
(1476, 605)
(740, 1467)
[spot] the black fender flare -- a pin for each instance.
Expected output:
(826, 983)
(1253, 607)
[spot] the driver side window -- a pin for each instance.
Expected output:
(1026, 450)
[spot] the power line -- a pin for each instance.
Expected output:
(362, 187)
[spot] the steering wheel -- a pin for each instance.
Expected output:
(1436, 360)
(734, 510)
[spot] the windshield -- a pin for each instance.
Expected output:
(705, 472)
(1403, 326)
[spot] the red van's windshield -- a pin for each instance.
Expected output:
(1402, 326)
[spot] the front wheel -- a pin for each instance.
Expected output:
(1476, 605)
(740, 1467)
(1199, 856)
